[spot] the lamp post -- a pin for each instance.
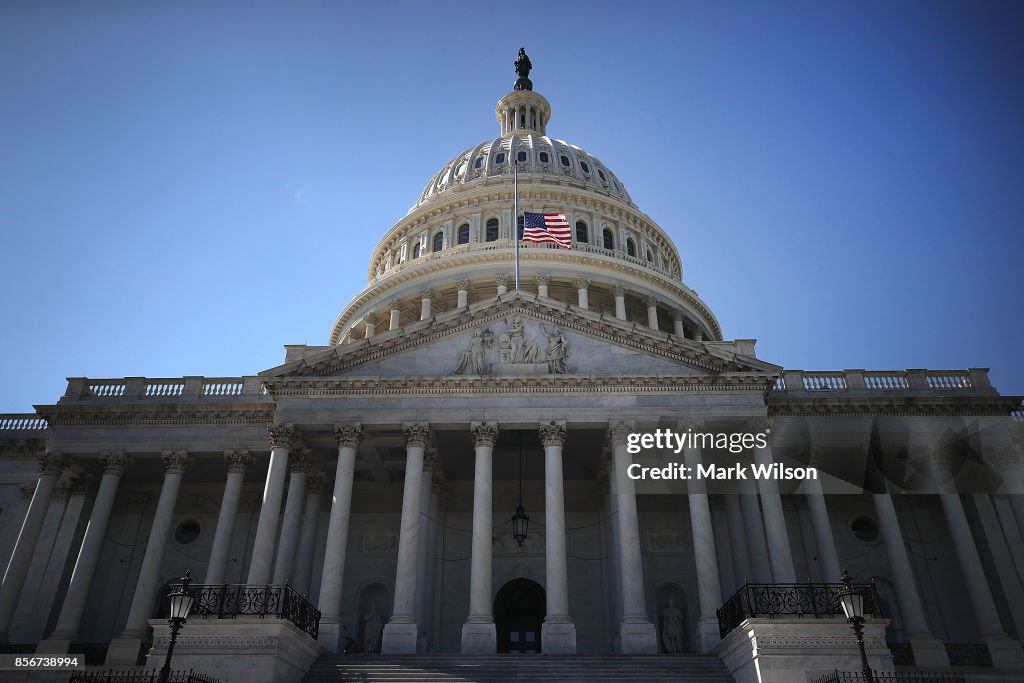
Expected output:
(852, 602)
(181, 605)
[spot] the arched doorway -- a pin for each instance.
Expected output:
(519, 610)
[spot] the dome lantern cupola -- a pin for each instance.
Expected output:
(522, 110)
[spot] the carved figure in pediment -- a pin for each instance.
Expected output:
(557, 351)
(475, 357)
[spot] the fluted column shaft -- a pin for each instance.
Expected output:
(553, 437)
(779, 552)
(237, 462)
(760, 566)
(1007, 461)
(175, 465)
(50, 467)
(480, 607)
(828, 558)
(425, 297)
(348, 436)
(70, 618)
(281, 437)
(543, 280)
(634, 607)
(462, 297)
(581, 292)
(303, 573)
(677, 326)
(652, 312)
(620, 302)
(405, 579)
(291, 527)
(394, 316)
(737, 540)
(709, 586)
(914, 621)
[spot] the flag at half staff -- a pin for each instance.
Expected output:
(547, 227)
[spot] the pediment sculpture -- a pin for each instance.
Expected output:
(516, 352)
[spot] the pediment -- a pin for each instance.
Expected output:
(519, 335)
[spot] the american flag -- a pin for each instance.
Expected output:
(547, 227)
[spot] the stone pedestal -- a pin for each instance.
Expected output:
(638, 638)
(1006, 653)
(123, 651)
(479, 639)
(558, 638)
(792, 650)
(929, 652)
(399, 638)
(242, 650)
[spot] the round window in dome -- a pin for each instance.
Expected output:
(864, 529)
(500, 159)
(187, 532)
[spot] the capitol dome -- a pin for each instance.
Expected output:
(454, 247)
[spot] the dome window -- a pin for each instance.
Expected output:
(581, 232)
(478, 163)
(585, 167)
(416, 250)
(521, 156)
(650, 256)
(544, 158)
(565, 160)
(438, 241)
(600, 174)
(630, 247)
(461, 170)
(609, 242)
(500, 159)
(463, 234)
(492, 229)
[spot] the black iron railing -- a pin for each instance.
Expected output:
(968, 654)
(232, 600)
(135, 676)
(893, 677)
(902, 654)
(788, 599)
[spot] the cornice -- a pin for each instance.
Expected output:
(74, 415)
(891, 406)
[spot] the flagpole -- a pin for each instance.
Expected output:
(515, 217)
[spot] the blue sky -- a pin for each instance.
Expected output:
(186, 187)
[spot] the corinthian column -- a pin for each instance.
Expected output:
(543, 280)
(50, 467)
(426, 294)
(1007, 462)
(620, 301)
(292, 525)
(237, 462)
(558, 633)
(348, 435)
(652, 312)
(400, 633)
(828, 558)
(66, 632)
(462, 287)
(478, 633)
(779, 552)
(637, 634)
(281, 437)
(709, 587)
(582, 284)
(303, 573)
(125, 648)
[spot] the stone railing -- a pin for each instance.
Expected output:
(21, 422)
(154, 389)
(973, 380)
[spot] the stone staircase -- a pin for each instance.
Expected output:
(531, 668)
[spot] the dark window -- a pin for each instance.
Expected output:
(438, 241)
(464, 234)
(564, 159)
(630, 247)
(522, 121)
(609, 243)
(492, 229)
(187, 532)
(544, 157)
(601, 174)
(416, 250)
(519, 228)
(521, 156)
(585, 167)
(650, 256)
(581, 232)
(479, 162)
(500, 159)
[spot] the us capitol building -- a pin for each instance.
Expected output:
(447, 475)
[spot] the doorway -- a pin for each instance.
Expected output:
(519, 610)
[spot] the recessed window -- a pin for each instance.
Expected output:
(600, 174)
(581, 231)
(492, 229)
(519, 228)
(565, 160)
(630, 247)
(187, 532)
(438, 241)
(416, 250)
(464, 233)
(864, 529)
(500, 159)
(544, 158)
(521, 156)
(650, 256)
(478, 163)
(609, 243)
(461, 170)
(585, 167)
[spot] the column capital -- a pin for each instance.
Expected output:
(760, 424)
(484, 433)
(176, 462)
(619, 290)
(678, 314)
(370, 318)
(694, 424)
(553, 433)
(76, 485)
(237, 461)
(582, 282)
(28, 489)
(348, 434)
(426, 293)
(416, 434)
(315, 482)
(619, 430)
(650, 301)
(115, 462)
(395, 305)
(300, 460)
(51, 463)
(543, 279)
(462, 284)
(501, 279)
(281, 435)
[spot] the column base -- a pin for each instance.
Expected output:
(1006, 653)
(638, 638)
(558, 638)
(123, 651)
(331, 636)
(929, 652)
(479, 639)
(708, 634)
(54, 645)
(399, 638)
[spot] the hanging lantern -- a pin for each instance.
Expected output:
(520, 524)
